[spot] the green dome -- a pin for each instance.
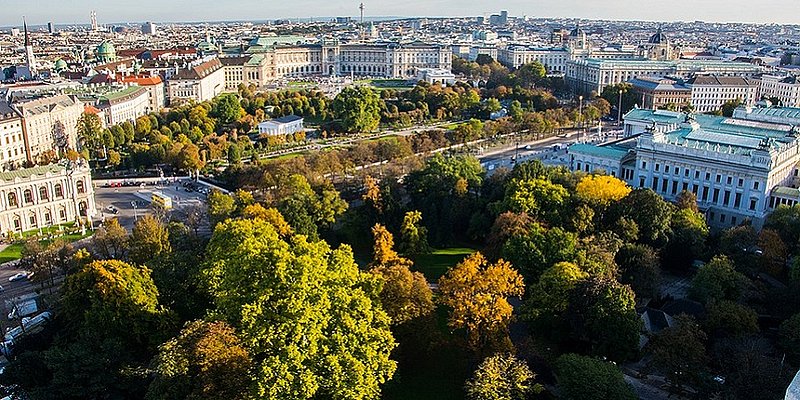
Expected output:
(106, 51)
(60, 65)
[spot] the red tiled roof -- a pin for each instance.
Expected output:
(142, 80)
(91, 109)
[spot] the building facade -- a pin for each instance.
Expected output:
(12, 139)
(125, 105)
(735, 166)
(657, 93)
(44, 196)
(199, 81)
(281, 126)
(786, 89)
(49, 124)
(710, 92)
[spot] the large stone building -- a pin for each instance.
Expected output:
(592, 75)
(12, 139)
(49, 125)
(739, 168)
(125, 105)
(44, 196)
(155, 89)
(656, 93)
(784, 89)
(710, 92)
(199, 81)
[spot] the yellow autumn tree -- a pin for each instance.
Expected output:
(477, 294)
(372, 193)
(405, 295)
(271, 215)
(602, 189)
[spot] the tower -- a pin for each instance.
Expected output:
(30, 59)
(93, 19)
(361, 8)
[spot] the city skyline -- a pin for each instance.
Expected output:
(77, 12)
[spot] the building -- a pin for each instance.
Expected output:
(149, 28)
(739, 168)
(155, 89)
(710, 92)
(784, 89)
(49, 125)
(44, 196)
(281, 126)
(436, 76)
(592, 75)
(658, 47)
(12, 139)
(199, 81)
(125, 105)
(658, 93)
(554, 59)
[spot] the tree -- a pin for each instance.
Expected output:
(687, 201)
(111, 240)
(602, 312)
(148, 240)
(687, 238)
(539, 198)
(629, 97)
(528, 75)
(649, 211)
(308, 316)
(90, 130)
(220, 207)
(114, 158)
(718, 280)
(679, 352)
(727, 318)
(789, 337)
(271, 215)
(582, 378)
(601, 190)
(639, 268)
(358, 108)
(549, 297)
(729, 106)
(205, 361)
(502, 377)
(226, 108)
(306, 209)
(413, 236)
(775, 251)
(477, 294)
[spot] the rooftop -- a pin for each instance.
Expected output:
(610, 151)
(28, 173)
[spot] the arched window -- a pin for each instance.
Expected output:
(43, 195)
(80, 187)
(59, 190)
(12, 199)
(28, 196)
(82, 208)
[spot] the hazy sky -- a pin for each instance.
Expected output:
(108, 11)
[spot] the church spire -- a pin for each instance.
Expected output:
(25, 28)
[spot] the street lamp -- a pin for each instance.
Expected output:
(580, 113)
(619, 108)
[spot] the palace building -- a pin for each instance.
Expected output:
(739, 168)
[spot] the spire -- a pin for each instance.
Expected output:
(25, 27)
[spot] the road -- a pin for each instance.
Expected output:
(122, 199)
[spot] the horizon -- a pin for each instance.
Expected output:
(39, 13)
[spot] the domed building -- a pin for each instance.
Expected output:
(106, 52)
(577, 39)
(658, 47)
(60, 66)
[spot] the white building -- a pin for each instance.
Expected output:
(281, 126)
(49, 125)
(554, 59)
(125, 105)
(592, 75)
(12, 139)
(155, 89)
(710, 92)
(739, 168)
(43, 196)
(436, 76)
(200, 81)
(784, 88)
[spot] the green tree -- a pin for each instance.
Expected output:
(718, 280)
(679, 352)
(687, 238)
(528, 75)
(502, 377)
(727, 318)
(358, 108)
(306, 209)
(148, 240)
(729, 106)
(538, 198)
(226, 108)
(220, 207)
(549, 298)
(90, 131)
(582, 378)
(629, 97)
(205, 361)
(306, 313)
(639, 268)
(538, 249)
(649, 211)
(111, 240)
(602, 312)
(413, 235)
(789, 337)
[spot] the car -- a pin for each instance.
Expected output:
(18, 276)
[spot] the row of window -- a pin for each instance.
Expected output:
(663, 186)
(44, 195)
(686, 172)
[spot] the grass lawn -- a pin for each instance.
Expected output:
(435, 264)
(452, 126)
(14, 251)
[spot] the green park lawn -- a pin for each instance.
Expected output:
(14, 251)
(436, 264)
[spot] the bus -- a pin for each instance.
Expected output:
(162, 201)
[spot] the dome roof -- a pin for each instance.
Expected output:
(60, 65)
(106, 49)
(658, 38)
(577, 32)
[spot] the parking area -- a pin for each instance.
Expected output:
(132, 199)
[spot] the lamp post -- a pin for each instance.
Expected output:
(580, 114)
(619, 108)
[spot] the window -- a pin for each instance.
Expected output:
(641, 181)
(12, 199)
(741, 182)
(685, 186)
(666, 169)
(694, 189)
(722, 218)
(737, 200)
(80, 187)
(686, 172)
(644, 164)
(708, 176)
(730, 180)
(733, 220)
(655, 183)
(579, 166)
(705, 193)
(726, 199)
(755, 185)
(753, 203)
(28, 196)
(696, 174)
(62, 215)
(43, 193)
(715, 199)
(59, 190)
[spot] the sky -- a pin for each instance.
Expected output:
(114, 11)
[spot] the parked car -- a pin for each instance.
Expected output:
(18, 276)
